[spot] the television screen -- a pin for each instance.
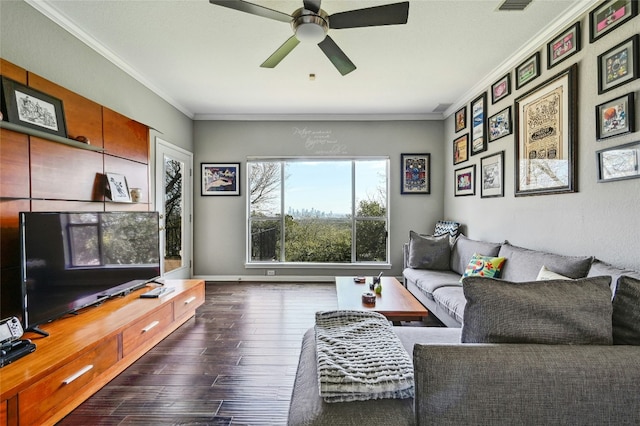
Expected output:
(71, 260)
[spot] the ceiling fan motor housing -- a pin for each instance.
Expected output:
(310, 26)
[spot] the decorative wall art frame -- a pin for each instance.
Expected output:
(461, 118)
(117, 188)
(501, 89)
(479, 124)
(416, 173)
(500, 124)
(461, 149)
(545, 119)
(220, 178)
(528, 70)
(618, 65)
(610, 15)
(616, 117)
(563, 46)
(492, 175)
(619, 162)
(31, 108)
(465, 181)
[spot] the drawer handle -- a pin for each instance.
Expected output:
(150, 326)
(73, 377)
(189, 300)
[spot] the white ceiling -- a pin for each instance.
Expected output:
(205, 59)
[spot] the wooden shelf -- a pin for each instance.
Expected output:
(44, 135)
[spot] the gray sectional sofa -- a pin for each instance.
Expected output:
(556, 351)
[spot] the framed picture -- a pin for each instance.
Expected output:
(32, 108)
(546, 136)
(465, 181)
(461, 149)
(220, 178)
(616, 117)
(479, 124)
(618, 163)
(610, 15)
(416, 173)
(501, 89)
(528, 70)
(461, 118)
(618, 65)
(563, 46)
(117, 188)
(500, 124)
(492, 175)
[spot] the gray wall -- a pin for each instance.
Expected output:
(220, 222)
(601, 219)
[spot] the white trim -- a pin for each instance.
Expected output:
(319, 117)
(276, 279)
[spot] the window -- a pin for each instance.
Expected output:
(318, 210)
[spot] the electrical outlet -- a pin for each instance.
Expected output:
(271, 272)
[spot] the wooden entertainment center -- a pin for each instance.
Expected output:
(84, 352)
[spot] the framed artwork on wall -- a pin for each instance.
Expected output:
(117, 188)
(610, 15)
(465, 181)
(563, 46)
(618, 65)
(616, 117)
(31, 108)
(220, 178)
(618, 163)
(461, 149)
(501, 88)
(500, 124)
(416, 173)
(492, 175)
(461, 118)
(528, 70)
(546, 137)
(479, 124)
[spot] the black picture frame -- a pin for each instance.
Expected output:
(610, 15)
(501, 89)
(461, 149)
(465, 181)
(500, 124)
(565, 45)
(616, 117)
(416, 173)
(219, 179)
(460, 119)
(492, 175)
(528, 70)
(478, 110)
(32, 108)
(618, 65)
(619, 162)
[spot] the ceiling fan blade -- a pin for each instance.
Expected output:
(390, 14)
(312, 5)
(253, 9)
(336, 56)
(280, 53)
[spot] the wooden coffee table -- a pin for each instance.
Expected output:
(396, 302)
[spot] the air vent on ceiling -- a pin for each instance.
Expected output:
(511, 5)
(442, 107)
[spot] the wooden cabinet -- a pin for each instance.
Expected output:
(86, 351)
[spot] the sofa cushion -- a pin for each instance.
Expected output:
(549, 312)
(452, 300)
(429, 252)
(524, 264)
(546, 274)
(483, 266)
(626, 312)
(464, 248)
(599, 268)
(429, 280)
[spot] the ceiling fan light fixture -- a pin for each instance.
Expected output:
(310, 27)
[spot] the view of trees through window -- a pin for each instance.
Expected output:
(326, 211)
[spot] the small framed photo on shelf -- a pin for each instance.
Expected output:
(479, 124)
(31, 108)
(492, 175)
(461, 118)
(618, 65)
(563, 46)
(500, 124)
(416, 173)
(528, 70)
(465, 181)
(616, 117)
(117, 188)
(501, 89)
(610, 15)
(220, 178)
(461, 149)
(618, 163)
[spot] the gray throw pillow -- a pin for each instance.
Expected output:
(548, 312)
(464, 248)
(429, 252)
(626, 312)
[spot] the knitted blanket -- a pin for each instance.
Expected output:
(360, 358)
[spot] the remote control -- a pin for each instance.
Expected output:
(157, 292)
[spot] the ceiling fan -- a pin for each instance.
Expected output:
(311, 24)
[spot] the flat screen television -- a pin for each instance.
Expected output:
(72, 260)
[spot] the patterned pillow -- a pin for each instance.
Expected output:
(626, 312)
(429, 252)
(484, 266)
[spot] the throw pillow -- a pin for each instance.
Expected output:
(428, 252)
(626, 312)
(546, 274)
(464, 248)
(547, 312)
(483, 266)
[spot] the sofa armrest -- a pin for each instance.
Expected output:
(526, 384)
(405, 256)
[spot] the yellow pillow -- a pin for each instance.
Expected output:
(484, 266)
